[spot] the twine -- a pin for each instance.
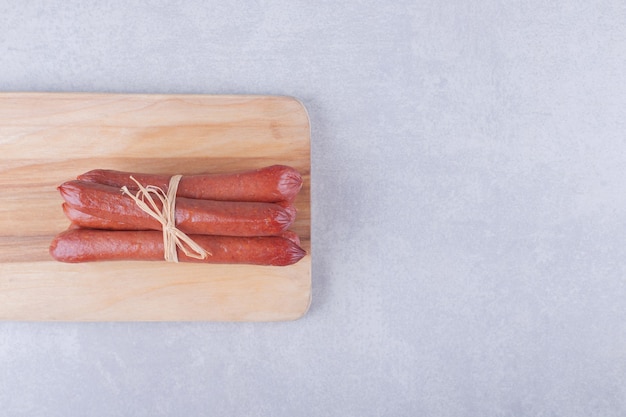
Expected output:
(172, 237)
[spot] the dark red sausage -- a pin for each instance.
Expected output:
(291, 235)
(84, 220)
(88, 245)
(225, 218)
(271, 184)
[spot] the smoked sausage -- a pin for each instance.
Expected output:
(291, 235)
(270, 184)
(88, 245)
(193, 216)
(88, 221)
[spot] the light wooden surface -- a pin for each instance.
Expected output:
(48, 138)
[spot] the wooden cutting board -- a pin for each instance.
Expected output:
(48, 138)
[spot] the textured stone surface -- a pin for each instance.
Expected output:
(468, 208)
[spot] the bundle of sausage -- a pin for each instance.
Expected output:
(234, 218)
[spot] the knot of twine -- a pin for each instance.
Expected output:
(166, 215)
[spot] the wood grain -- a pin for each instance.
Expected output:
(48, 138)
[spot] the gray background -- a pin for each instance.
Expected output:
(468, 163)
